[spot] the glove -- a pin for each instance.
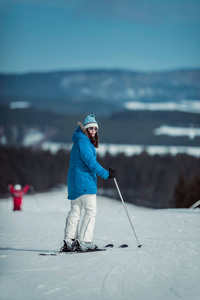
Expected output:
(112, 173)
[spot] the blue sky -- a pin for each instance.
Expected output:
(142, 35)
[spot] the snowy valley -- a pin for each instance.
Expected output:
(166, 267)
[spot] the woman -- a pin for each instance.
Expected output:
(82, 186)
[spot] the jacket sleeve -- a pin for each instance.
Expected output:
(11, 188)
(87, 156)
(26, 188)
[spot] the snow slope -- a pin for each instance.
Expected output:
(166, 267)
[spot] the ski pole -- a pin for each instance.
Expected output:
(139, 245)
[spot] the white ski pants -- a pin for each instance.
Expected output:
(85, 234)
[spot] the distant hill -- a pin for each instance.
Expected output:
(123, 127)
(103, 90)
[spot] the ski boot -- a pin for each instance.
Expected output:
(87, 246)
(68, 246)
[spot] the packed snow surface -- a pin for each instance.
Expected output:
(167, 266)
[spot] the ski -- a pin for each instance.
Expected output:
(55, 253)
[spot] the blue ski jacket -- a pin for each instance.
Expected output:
(83, 167)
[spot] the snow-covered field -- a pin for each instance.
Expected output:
(166, 267)
(128, 150)
(182, 105)
(174, 131)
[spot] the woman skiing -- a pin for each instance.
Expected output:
(82, 186)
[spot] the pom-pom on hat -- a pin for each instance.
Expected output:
(90, 121)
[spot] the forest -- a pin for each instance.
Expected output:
(150, 181)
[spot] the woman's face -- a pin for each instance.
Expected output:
(92, 131)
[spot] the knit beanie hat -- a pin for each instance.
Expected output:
(17, 187)
(90, 121)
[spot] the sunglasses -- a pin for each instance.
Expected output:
(95, 128)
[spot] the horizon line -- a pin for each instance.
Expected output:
(100, 69)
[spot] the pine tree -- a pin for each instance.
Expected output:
(180, 192)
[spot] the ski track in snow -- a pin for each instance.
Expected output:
(165, 268)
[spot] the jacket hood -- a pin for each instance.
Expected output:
(80, 133)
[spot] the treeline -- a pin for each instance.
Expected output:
(151, 181)
(39, 168)
(156, 181)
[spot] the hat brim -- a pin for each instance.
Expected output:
(92, 124)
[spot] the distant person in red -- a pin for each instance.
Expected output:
(17, 194)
